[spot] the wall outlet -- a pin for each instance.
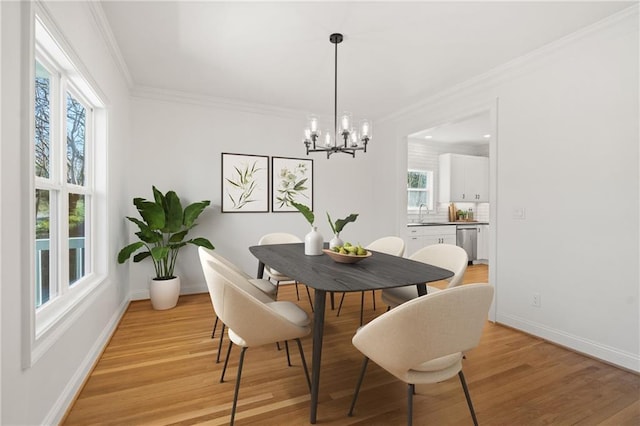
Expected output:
(535, 300)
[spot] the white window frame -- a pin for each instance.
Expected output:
(428, 189)
(47, 322)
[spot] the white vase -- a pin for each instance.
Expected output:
(164, 293)
(313, 242)
(335, 241)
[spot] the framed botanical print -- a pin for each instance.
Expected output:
(245, 183)
(292, 180)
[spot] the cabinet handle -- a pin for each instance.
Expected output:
(463, 196)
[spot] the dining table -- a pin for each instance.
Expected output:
(324, 275)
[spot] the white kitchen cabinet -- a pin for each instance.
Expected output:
(483, 242)
(463, 178)
(422, 236)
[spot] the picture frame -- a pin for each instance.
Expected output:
(245, 183)
(292, 180)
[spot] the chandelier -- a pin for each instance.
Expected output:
(344, 138)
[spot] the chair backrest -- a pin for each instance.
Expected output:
(278, 238)
(389, 245)
(425, 328)
(445, 256)
(211, 256)
(248, 317)
(216, 257)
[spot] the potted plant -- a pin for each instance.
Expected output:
(162, 232)
(337, 227)
(313, 241)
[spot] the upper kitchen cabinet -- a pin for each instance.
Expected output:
(464, 178)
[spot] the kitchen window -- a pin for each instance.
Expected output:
(419, 190)
(68, 158)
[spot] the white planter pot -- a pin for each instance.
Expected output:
(335, 241)
(164, 293)
(313, 242)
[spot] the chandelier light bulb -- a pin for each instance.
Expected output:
(327, 139)
(313, 123)
(354, 137)
(366, 129)
(345, 122)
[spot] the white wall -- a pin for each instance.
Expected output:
(178, 144)
(40, 394)
(567, 152)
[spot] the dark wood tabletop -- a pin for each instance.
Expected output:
(323, 273)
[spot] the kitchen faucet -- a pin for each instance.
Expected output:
(420, 211)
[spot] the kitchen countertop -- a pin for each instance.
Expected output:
(446, 223)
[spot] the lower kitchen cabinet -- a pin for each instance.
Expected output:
(422, 236)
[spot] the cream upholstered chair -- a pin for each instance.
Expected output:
(445, 256)
(251, 321)
(423, 340)
(263, 289)
(281, 238)
(388, 245)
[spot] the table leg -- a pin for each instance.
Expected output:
(318, 332)
(422, 289)
(260, 273)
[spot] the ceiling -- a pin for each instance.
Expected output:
(394, 54)
(472, 130)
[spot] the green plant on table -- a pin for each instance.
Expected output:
(306, 212)
(162, 231)
(339, 224)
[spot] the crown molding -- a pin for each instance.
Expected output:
(112, 46)
(166, 95)
(507, 70)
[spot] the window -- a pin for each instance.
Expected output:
(419, 189)
(66, 111)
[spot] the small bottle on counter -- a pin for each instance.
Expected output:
(470, 214)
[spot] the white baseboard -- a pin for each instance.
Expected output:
(184, 289)
(66, 398)
(588, 347)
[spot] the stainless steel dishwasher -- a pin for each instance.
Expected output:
(467, 238)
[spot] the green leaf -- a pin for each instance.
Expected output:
(126, 252)
(152, 213)
(202, 242)
(192, 212)
(306, 212)
(158, 197)
(159, 253)
(140, 256)
(178, 236)
(173, 213)
(333, 228)
(340, 223)
(149, 237)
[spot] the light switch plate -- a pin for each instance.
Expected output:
(518, 213)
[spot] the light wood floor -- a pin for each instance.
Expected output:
(159, 369)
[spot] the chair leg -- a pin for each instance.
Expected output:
(297, 293)
(361, 308)
(304, 363)
(340, 305)
(226, 361)
(373, 297)
(286, 346)
(215, 325)
(220, 344)
(466, 394)
(235, 394)
(275, 297)
(410, 392)
(309, 296)
(355, 395)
